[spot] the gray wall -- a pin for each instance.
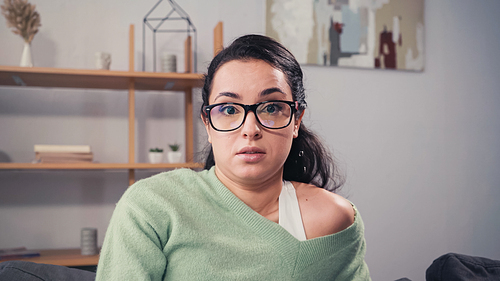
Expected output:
(420, 150)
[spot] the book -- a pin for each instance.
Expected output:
(67, 155)
(62, 160)
(16, 253)
(62, 148)
(63, 157)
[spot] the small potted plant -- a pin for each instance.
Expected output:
(174, 156)
(155, 155)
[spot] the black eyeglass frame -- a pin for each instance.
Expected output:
(252, 107)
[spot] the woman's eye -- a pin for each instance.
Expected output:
(228, 110)
(271, 108)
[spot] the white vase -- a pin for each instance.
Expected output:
(26, 59)
(174, 156)
(102, 60)
(155, 157)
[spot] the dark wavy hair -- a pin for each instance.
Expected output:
(309, 161)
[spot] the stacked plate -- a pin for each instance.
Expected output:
(89, 241)
(168, 62)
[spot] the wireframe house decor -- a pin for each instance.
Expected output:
(385, 34)
(171, 22)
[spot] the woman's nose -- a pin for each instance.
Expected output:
(251, 127)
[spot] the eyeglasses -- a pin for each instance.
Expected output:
(229, 116)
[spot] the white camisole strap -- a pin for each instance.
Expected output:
(289, 212)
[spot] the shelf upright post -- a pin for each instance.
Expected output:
(188, 55)
(131, 109)
(188, 111)
(218, 38)
(188, 103)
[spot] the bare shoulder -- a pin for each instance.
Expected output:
(323, 212)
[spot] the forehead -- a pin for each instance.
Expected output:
(248, 78)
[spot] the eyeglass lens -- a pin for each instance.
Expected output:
(272, 115)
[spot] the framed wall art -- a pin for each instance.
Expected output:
(385, 34)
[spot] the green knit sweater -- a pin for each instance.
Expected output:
(186, 225)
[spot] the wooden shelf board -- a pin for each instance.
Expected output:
(96, 166)
(64, 257)
(97, 79)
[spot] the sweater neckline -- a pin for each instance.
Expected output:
(270, 229)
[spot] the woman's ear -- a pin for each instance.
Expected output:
(204, 119)
(297, 124)
(206, 122)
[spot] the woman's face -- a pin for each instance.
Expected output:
(251, 153)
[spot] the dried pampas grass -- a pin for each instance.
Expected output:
(22, 17)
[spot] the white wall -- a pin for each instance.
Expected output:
(420, 150)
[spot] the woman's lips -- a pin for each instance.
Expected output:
(251, 154)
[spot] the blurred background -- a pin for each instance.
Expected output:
(420, 150)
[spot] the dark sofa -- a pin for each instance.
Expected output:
(453, 267)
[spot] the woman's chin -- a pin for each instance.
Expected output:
(255, 173)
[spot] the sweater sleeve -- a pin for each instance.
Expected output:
(354, 256)
(132, 249)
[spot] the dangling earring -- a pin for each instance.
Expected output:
(301, 153)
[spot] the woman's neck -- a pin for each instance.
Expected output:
(261, 196)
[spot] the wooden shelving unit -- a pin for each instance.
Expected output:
(118, 80)
(103, 79)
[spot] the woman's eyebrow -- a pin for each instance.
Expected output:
(271, 91)
(263, 93)
(227, 94)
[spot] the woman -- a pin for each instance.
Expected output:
(262, 209)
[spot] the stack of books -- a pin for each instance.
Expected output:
(63, 153)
